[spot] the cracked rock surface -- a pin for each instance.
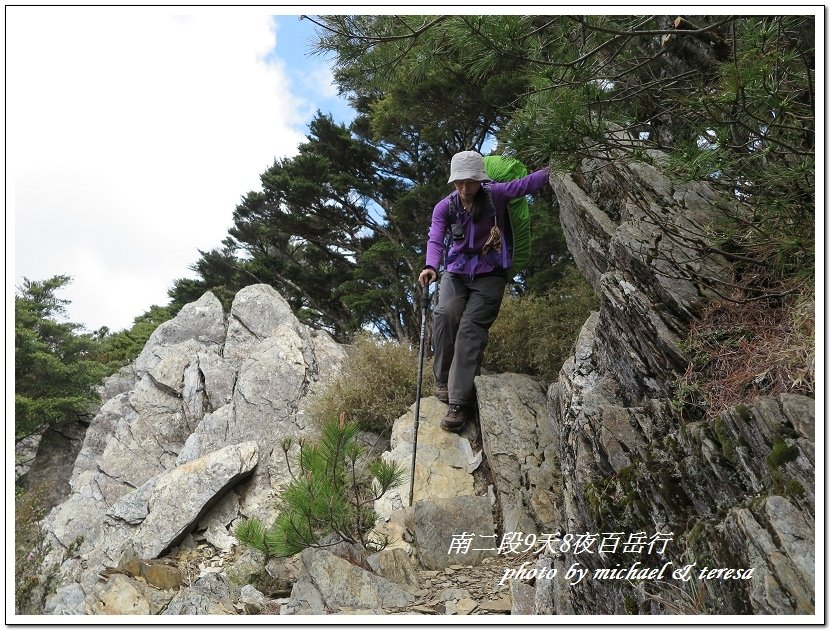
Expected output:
(204, 406)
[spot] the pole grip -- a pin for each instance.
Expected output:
(426, 296)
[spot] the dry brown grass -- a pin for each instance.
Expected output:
(535, 334)
(740, 351)
(377, 383)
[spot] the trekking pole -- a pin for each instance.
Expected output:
(421, 349)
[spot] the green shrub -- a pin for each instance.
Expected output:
(332, 492)
(377, 384)
(535, 334)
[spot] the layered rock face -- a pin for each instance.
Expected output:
(189, 436)
(734, 493)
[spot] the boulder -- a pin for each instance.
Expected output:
(306, 599)
(521, 450)
(256, 311)
(251, 601)
(457, 531)
(176, 500)
(647, 293)
(444, 464)
(68, 600)
(778, 544)
(209, 595)
(341, 584)
(122, 595)
(202, 321)
(396, 566)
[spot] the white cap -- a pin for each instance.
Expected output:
(467, 165)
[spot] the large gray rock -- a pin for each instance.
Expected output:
(644, 281)
(209, 595)
(276, 362)
(396, 566)
(341, 584)
(69, 600)
(521, 450)
(202, 321)
(444, 464)
(457, 531)
(122, 595)
(306, 599)
(445, 468)
(631, 468)
(186, 422)
(780, 551)
(256, 311)
(175, 501)
(251, 601)
(97, 437)
(146, 440)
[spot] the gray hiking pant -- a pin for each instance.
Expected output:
(461, 324)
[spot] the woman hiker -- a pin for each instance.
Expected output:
(475, 275)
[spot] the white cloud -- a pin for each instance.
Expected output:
(321, 80)
(131, 136)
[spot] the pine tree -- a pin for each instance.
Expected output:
(331, 496)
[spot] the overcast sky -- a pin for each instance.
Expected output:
(132, 134)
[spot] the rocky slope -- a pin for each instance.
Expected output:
(189, 438)
(583, 496)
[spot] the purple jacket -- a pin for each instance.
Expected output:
(464, 257)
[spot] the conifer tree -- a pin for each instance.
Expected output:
(329, 499)
(55, 361)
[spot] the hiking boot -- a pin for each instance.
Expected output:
(441, 392)
(455, 419)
